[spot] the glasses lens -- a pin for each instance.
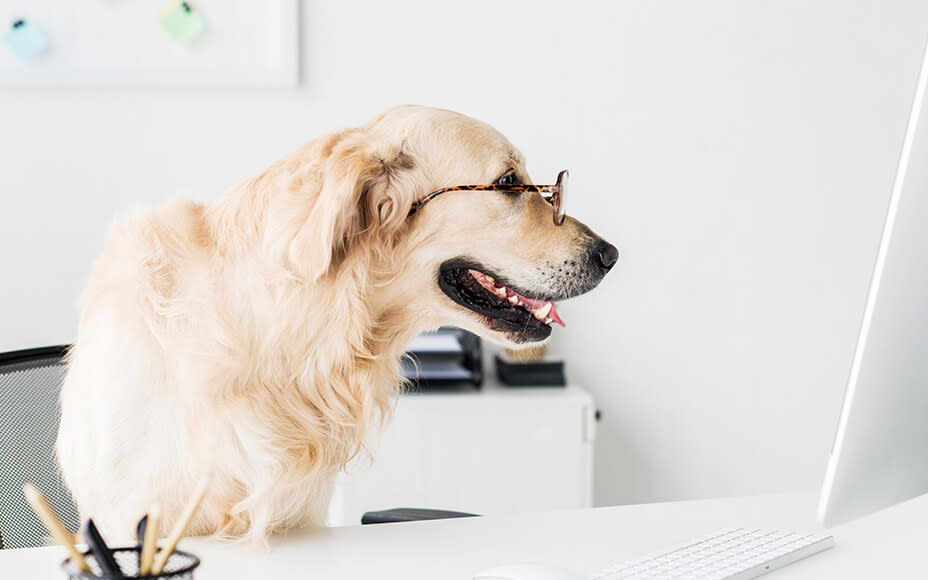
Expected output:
(559, 212)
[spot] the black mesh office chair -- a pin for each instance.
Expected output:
(30, 381)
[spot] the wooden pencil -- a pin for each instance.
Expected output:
(150, 543)
(179, 527)
(54, 526)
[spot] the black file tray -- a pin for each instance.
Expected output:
(445, 359)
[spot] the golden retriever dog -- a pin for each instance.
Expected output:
(258, 338)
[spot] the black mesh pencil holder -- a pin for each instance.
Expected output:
(180, 566)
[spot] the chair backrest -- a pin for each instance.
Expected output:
(30, 381)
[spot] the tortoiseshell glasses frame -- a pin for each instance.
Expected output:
(555, 197)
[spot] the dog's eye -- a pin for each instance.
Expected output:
(508, 179)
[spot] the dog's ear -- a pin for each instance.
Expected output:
(367, 190)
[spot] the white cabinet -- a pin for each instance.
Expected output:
(493, 451)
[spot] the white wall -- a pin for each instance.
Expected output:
(739, 153)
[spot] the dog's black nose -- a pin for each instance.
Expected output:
(606, 254)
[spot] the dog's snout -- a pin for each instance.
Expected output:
(605, 255)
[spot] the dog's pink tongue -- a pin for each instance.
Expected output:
(555, 317)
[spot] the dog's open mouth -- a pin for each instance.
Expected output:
(508, 310)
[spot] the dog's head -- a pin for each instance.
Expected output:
(493, 261)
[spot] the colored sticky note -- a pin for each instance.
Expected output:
(181, 21)
(26, 41)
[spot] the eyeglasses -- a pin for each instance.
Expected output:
(557, 193)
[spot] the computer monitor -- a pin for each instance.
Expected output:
(880, 453)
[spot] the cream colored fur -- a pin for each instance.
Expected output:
(258, 337)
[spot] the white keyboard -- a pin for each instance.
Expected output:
(731, 554)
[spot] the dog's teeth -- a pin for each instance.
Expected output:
(489, 278)
(542, 313)
(501, 292)
(549, 320)
(513, 300)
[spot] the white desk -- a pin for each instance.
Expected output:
(889, 544)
